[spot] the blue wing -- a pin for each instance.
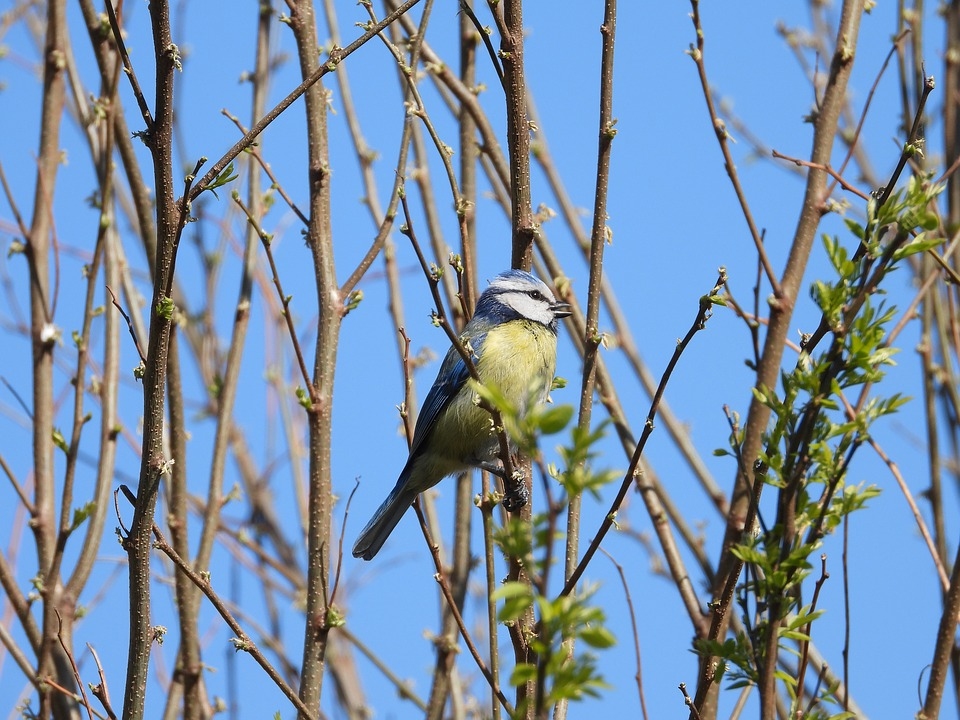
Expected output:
(450, 380)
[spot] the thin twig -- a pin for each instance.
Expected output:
(805, 644)
(343, 530)
(598, 239)
(634, 628)
(16, 395)
(26, 667)
(722, 138)
(242, 641)
(838, 178)
(254, 150)
(689, 702)
(441, 579)
(443, 151)
(485, 36)
(917, 515)
(73, 666)
(100, 691)
(21, 493)
(128, 67)
(266, 239)
(337, 55)
(852, 143)
(909, 148)
(24, 230)
(133, 334)
(404, 691)
(703, 314)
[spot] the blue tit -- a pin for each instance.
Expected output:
(513, 340)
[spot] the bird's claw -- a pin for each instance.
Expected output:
(516, 495)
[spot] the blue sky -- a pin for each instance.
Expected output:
(674, 219)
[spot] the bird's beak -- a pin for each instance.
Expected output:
(561, 309)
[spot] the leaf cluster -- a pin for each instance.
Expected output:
(568, 628)
(563, 674)
(816, 428)
(524, 427)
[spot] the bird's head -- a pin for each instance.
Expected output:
(516, 294)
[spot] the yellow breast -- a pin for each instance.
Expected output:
(518, 358)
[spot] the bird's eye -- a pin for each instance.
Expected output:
(536, 295)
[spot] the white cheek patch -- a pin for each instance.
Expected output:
(527, 307)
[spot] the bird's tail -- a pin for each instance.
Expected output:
(384, 520)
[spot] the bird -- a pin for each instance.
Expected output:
(512, 339)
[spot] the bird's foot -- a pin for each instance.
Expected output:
(493, 469)
(515, 495)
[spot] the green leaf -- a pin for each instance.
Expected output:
(597, 637)
(555, 419)
(855, 228)
(517, 599)
(80, 514)
(514, 538)
(352, 302)
(303, 397)
(59, 440)
(165, 308)
(222, 179)
(922, 243)
(522, 673)
(786, 678)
